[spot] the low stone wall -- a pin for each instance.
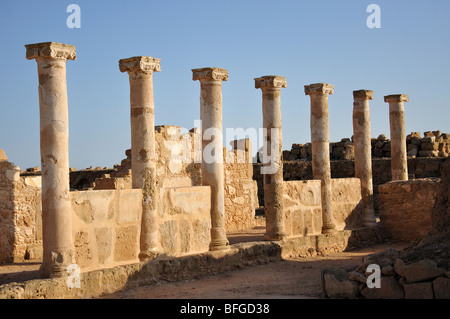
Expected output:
(303, 209)
(405, 207)
(185, 220)
(110, 280)
(106, 226)
(421, 167)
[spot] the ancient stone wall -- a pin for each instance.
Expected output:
(303, 209)
(20, 215)
(432, 144)
(405, 207)
(420, 167)
(106, 227)
(185, 221)
(240, 189)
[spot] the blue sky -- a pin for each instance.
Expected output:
(305, 41)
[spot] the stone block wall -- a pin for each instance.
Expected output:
(20, 215)
(106, 227)
(184, 220)
(303, 209)
(432, 144)
(240, 188)
(405, 207)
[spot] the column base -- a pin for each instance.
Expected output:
(219, 245)
(275, 237)
(148, 255)
(329, 230)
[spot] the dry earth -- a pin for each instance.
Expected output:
(294, 278)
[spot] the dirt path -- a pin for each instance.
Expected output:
(297, 278)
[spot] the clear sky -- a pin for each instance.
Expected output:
(305, 41)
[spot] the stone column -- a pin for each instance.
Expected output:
(399, 159)
(58, 249)
(212, 148)
(143, 155)
(273, 170)
(363, 152)
(321, 148)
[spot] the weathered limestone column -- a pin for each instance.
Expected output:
(399, 159)
(363, 152)
(58, 249)
(212, 148)
(273, 177)
(321, 148)
(143, 155)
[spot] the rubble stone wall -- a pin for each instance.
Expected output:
(432, 144)
(20, 214)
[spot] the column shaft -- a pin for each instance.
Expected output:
(363, 152)
(143, 154)
(399, 159)
(321, 148)
(273, 169)
(212, 148)
(58, 249)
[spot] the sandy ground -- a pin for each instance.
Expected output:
(296, 278)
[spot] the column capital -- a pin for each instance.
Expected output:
(209, 74)
(52, 50)
(319, 88)
(363, 94)
(140, 64)
(396, 98)
(270, 81)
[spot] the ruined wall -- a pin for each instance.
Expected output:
(185, 221)
(20, 215)
(240, 188)
(106, 227)
(432, 144)
(303, 209)
(405, 207)
(420, 167)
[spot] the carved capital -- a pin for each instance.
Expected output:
(140, 64)
(209, 74)
(363, 94)
(270, 81)
(51, 50)
(319, 88)
(396, 98)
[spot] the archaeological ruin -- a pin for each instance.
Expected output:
(174, 207)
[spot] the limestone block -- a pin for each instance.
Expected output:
(389, 289)
(425, 269)
(103, 238)
(423, 290)
(441, 288)
(127, 243)
(169, 235)
(83, 252)
(337, 284)
(3, 157)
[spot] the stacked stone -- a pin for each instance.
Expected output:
(432, 144)
(420, 279)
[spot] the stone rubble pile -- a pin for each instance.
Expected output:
(400, 279)
(432, 144)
